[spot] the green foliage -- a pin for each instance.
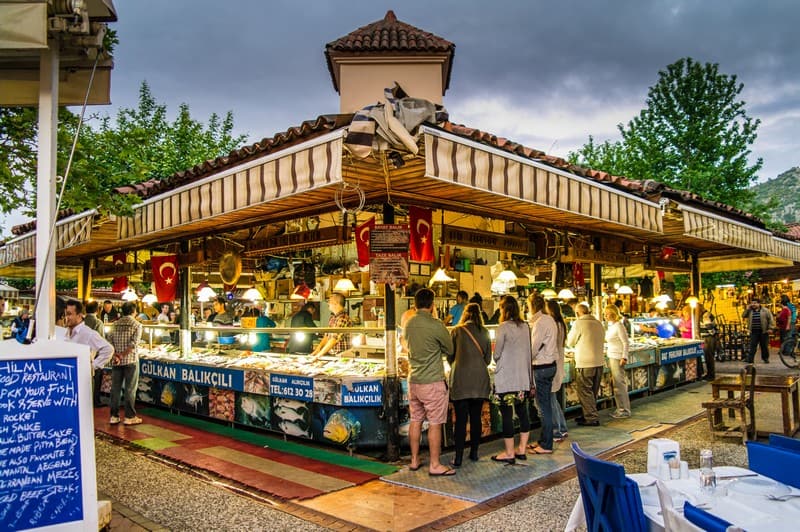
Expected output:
(779, 196)
(694, 134)
(140, 144)
(709, 280)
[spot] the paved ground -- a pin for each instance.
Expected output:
(152, 495)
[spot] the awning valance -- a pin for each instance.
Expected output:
(303, 168)
(713, 228)
(71, 231)
(464, 162)
(786, 249)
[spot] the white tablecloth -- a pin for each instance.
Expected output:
(744, 504)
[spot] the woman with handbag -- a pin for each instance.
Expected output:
(512, 378)
(469, 379)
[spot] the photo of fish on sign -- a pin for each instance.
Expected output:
(195, 399)
(253, 410)
(292, 417)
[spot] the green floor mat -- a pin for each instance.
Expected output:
(276, 443)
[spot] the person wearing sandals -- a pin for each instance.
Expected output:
(553, 309)
(469, 379)
(617, 353)
(544, 357)
(512, 378)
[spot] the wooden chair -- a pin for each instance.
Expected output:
(744, 402)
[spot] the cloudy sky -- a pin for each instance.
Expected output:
(543, 73)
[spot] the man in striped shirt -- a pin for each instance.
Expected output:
(125, 337)
(759, 322)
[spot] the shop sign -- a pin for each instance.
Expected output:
(325, 236)
(364, 393)
(671, 265)
(223, 378)
(673, 353)
(291, 387)
(471, 238)
(594, 256)
(388, 253)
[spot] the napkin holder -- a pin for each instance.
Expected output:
(659, 452)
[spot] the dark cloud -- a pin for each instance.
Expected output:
(594, 60)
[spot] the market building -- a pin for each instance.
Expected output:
(290, 217)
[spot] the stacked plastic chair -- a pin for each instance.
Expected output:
(611, 501)
(784, 442)
(774, 462)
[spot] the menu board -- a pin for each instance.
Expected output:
(47, 470)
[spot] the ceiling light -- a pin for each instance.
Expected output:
(507, 276)
(566, 293)
(344, 285)
(624, 290)
(129, 295)
(149, 298)
(252, 294)
(440, 276)
(548, 293)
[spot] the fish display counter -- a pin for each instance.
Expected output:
(334, 400)
(678, 361)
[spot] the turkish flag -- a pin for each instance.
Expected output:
(362, 241)
(421, 222)
(119, 284)
(165, 276)
(578, 279)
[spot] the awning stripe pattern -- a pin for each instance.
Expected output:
(310, 165)
(705, 226)
(70, 232)
(786, 249)
(462, 161)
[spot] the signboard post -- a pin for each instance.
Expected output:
(47, 460)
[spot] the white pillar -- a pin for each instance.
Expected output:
(46, 191)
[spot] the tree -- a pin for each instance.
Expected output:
(140, 144)
(694, 134)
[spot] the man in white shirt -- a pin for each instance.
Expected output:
(587, 336)
(80, 333)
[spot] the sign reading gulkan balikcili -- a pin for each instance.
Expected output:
(471, 238)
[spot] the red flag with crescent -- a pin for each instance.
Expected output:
(165, 276)
(119, 284)
(362, 241)
(421, 221)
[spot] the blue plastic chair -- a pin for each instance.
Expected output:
(784, 442)
(774, 462)
(611, 501)
(703, 519)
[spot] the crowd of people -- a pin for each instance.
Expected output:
(529, 371)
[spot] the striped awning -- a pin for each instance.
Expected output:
(471, 164)
(70, 232)
(713, 228)
(234, 193)
(786, 249)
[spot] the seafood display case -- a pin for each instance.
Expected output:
(335, 400)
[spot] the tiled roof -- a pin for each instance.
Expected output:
(324, 123)
(307, 130)
(388, 35)
(27, 227)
